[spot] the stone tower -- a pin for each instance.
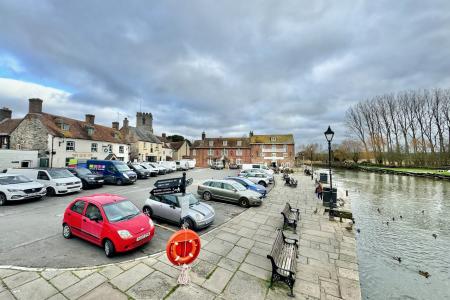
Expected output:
(144, 121)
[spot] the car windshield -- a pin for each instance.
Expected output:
(119, 211)
(138, 167)
(14, 179)
(122, 167)
(192, 199)
(247, 181)
(55, 173)
(83, 171)
(238, 186)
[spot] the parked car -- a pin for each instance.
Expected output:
(228, 190)
(160, 168)
(250, 185)
(56, 181)
(14, 187)
(113, 171)
(88, 179)
(191, 163)
(261, 171)
(141, 172)
(168, 207)
(182, 165)
(259, 178)
(153, 171)
(171, 166)
(233, 166)
(110, 221)
(257, 166)
(217, 165)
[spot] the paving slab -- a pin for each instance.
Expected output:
(228, 264)
(84, 286)
(105, 292)
(130, 277)
(191, 292)
(258, 260)
(155, 286)
(84, 273)
(58, 296)
(237, 254)
(64, 280)
(36, 289)
(6, 295)
(50, 273)
(218, 280)
(20, 279)
(111, 271)
(245, 242)
(239, 287)
(219, 247)
(7, 272)
(255, 271)
(227, 236)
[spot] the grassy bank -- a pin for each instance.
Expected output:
(423, 172)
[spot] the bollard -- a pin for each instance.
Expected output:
(346, 193)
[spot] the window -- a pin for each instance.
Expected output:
(121, 149)
(70, 146)
(239, 143)
(261, 154)
(225, 143)
(239, 152)
(92, 212)
(285, 154)
(211, 143)
(90, 131)
(238, 161)
(65, 127)
(42, 176)
(216, 184)
(194, 152)
(224, 152)
(274, 147)
(169, 200)
(94, 147)
(145, 145)
(273, 139)
(210, 151)
(78, 207)
(274, 154)
(109, 148)
(229, 187)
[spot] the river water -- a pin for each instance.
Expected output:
(409, 237)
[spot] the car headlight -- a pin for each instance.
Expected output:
(150, 221)
(124, 234)
(14, 190)
(198, 217)
(125, 175)
(60, 184)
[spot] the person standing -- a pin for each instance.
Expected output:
(319, 191)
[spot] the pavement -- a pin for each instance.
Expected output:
(232, 263)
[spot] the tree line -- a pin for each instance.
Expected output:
(407, 128)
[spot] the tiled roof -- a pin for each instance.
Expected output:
(8, 125)
(78, 129)
(218, 142)
(143, 135)
(267, 139)
(176, 145)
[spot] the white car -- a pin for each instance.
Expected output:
(56, 181)
(256, 177)
(261, 167)
(182, 165)
(261, 171)
(170, 165)
(14, 187)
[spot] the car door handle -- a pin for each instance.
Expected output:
(84, 220)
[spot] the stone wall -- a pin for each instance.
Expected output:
(31, 134)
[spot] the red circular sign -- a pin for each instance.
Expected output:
(183, 247)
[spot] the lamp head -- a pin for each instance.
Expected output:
(329, 134)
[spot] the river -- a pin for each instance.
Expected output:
(420, 208)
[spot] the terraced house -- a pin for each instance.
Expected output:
(272, 150)
(61, 141)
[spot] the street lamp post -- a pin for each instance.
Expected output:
(329, 134)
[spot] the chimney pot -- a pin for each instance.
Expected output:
(115, 125)
(125, 123)
(163, 135)
(35, 106)
(5, 113)
(203, 135)
(90, 119)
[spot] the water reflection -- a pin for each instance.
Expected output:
(409, 237)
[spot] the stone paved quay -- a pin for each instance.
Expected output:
(232, 263)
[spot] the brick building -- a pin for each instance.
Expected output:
(272, 150)
(228, 150)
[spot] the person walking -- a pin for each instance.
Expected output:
(319, 191)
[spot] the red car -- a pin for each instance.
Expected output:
(110, 221)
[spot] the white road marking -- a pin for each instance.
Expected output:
(164, 227)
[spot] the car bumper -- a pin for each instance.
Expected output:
(126, 245)
(206, 222)
(68, 189)
(255, 202)
(95, 182)
(17, 196)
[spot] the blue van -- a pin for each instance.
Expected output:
(113, 171)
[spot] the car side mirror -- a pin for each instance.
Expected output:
(172, 206)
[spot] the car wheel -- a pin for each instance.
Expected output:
(119, 181)
(243, 202)
(109, 248)
(84, 184)
(147, 211)
(263, 183)
(206, 196)
(190, 224)
(50, 191)
(2, 199)
(67, 232)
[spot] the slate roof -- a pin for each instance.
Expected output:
(176, 145)
(78, 129)
(218, 142)
(143, 135)
(267, 139)
(8, 125)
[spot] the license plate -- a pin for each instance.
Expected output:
(139, 238)
(100, 181)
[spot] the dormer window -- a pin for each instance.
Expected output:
(273, 139)
(65, 127)
(211, 143)
(225, 143)
(90, 131)
(239, 143)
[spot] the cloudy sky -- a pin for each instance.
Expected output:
(226, 67)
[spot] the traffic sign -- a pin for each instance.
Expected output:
(164, 191)
(166, 183)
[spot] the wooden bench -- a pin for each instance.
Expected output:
(290, 216)
(284, 260)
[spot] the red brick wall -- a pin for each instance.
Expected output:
(202, 155)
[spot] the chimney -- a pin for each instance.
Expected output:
(125, 123)
(90, 119)
(115, 125)
(250, 134)
(35, 106)
(5, 113)
(163, 136)
(203, 135)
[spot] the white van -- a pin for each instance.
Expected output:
(182, 165)
(191, 163)
(257, 166)
(15, 187)
(170, 165)
(56, 181)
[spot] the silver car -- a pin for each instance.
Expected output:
(257, 177)
(229, 190)
(168, 208)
